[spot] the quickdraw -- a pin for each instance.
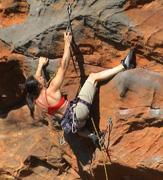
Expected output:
(62, 138)
(68, 123)
(68, 16)
(101, 141)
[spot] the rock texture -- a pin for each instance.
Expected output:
(136, 136)
(104, 31)
(13, 12)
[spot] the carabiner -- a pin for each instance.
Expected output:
(74, 129)
(69, 9)
(103, 137)
(62, 140)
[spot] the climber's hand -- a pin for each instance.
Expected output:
(43, 61)
(67, 38)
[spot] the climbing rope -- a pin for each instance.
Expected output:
(62, 140)
(53, 76)
(101, 147)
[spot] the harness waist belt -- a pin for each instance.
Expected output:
(76, 100)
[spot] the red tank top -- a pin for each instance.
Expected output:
(52, 109)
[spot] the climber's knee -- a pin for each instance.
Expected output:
(92, 79)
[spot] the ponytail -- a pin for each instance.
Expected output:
(30, 104)
(33, 92)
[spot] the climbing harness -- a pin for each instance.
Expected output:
(69, 23)
(101, 141)
(68, 121)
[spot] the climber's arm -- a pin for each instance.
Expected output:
(57, 81)
(41, 62)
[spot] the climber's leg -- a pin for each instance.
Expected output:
(94, 78)
(86, 133)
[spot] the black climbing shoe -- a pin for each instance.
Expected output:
(127, 61)
(95, 140)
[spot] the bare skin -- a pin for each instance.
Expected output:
(53, 91)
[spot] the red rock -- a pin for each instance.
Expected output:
(5, 49)
(13, 72)
(104, 31)
(13, 12)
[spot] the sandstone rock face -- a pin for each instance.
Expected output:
(13, 12)
(137, 111)
(104, 31)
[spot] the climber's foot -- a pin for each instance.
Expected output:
(127, 61)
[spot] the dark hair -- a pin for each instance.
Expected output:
(33, 92)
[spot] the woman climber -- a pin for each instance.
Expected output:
(70, 115)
